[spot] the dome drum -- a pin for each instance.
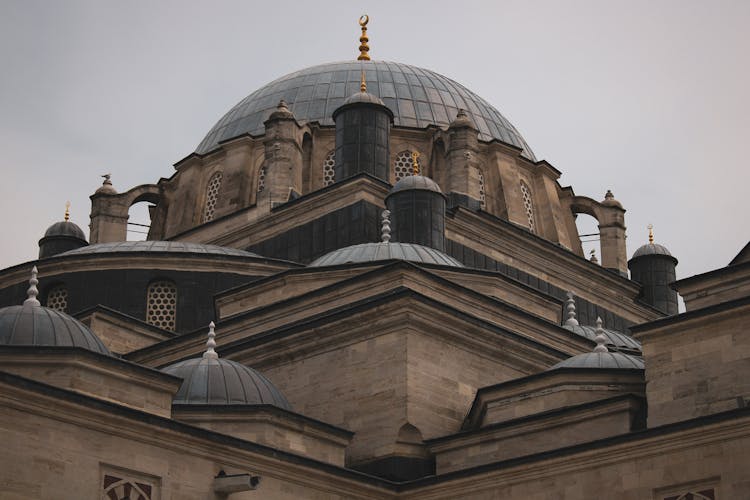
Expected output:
(61, 237)
(417, 212)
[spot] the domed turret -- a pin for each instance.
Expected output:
(31, 324)
(363, 131)
(653, 266)
(209, 380)
(417, 206)
(601, 357)
(61, 237)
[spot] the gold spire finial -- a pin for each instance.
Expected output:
(415, 161)
(67, 211)
(650, 234)
(363, 83)
(363, 47)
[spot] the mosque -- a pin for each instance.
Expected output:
(364, 284)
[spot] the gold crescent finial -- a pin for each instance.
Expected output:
(415, 161)
(67, 211)
(650, 234)
(363, 47)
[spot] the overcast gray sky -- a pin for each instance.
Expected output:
(647, 98)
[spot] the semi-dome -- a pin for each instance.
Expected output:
(210, 380)
(32, 324)
(418, 182)
(417, 97)
(160, 246)
(614, 338)
(371, 252)
(602, 360)
(601, 357)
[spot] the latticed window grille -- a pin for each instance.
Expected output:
(481, 187)
(329, 172)
(161, 305)
(212, 195)
(528, 205)
(403, 166)
(57, 298)
(262, 179)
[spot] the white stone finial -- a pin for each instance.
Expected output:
(32, 292)
(600, 339)
(210, 352)
(570, 307)
(593, 258)
(385, 233)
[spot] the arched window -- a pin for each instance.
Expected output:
(57, 298)
(161, 305)
(403, 166)
(122, 489)
(212, 194)
(528, 205)
(329, 173)
(262, 179)
(481, 188)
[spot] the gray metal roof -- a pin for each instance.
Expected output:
(602, 360)
(415, 182)
(417, 97)
(651, 249)
(213, 381)
(159, 246)
(35, 325)
(613, 337)
(65, 228)
(371, 252)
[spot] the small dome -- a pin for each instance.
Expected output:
(31, 324)
(614, 338)
(462, 120)
(364, 97)
(65, 228)
(281, 112)
(415, 182)
(652, 249)
(610, 201)
(210, 380)
(602, 360)
(372, 252)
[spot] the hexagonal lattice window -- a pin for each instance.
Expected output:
(262, 179)
(481, 188)
(528, 205)
(57, 298)
(329, 173)
(161, 305)
(403, 166)
(212, 194)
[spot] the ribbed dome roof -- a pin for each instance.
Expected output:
(159, 246)
(212, 381)
(602, 360)
(417, 97)
(415, 182)
(363, 97)
(371, 252)
(651, 249)
(614, 338)
(35, 325)
(65, 228)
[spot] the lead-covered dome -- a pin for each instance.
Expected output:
(417, 97)
(372, 252)
(209, 380)
(31, 324)
(65, 228)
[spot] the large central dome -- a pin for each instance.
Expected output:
(418, 98)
